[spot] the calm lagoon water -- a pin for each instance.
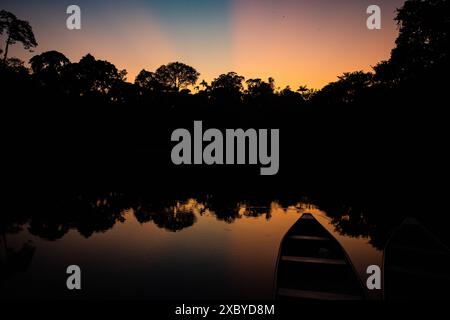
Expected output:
(183, 251)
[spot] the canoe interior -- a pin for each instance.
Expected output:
(416, 264)
(313, 265)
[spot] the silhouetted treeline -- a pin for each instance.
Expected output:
(81, 124)
(419, 60)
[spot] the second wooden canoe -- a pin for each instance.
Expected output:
(416, 264)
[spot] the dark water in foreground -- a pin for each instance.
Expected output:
(185, 250)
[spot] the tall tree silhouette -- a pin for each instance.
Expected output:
(290, 98)
(177, 75)
(205, 85)
(92, 76)
(149, 82)
(16, 30)
(348, 89)
(306, 93)
(17, 65)
(227, 88)
(422, 51)
(49, 67)
(231, 82)
(50, 61)
(259, 88)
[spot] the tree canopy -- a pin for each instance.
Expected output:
(422, 49)
(149, 81)
(177, 75)
(16, 30)
(49, 61)
(95, 76)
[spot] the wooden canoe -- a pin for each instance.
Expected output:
(416, 264)
(312, 265)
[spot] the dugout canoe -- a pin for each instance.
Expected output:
(312, 265)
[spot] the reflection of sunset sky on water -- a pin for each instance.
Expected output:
(296, 42)
(210, 258)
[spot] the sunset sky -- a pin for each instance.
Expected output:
(297, 42)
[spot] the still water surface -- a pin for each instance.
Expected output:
(190, 253)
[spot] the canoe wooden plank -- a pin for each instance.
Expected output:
(316, 295)
(312, 238)
(313, 260)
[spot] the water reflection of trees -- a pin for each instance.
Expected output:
(172, 217)
(51, 217)
(371, 221)
(95, 212)
(13, 260)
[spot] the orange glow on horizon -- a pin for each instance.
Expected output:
(295, 42)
